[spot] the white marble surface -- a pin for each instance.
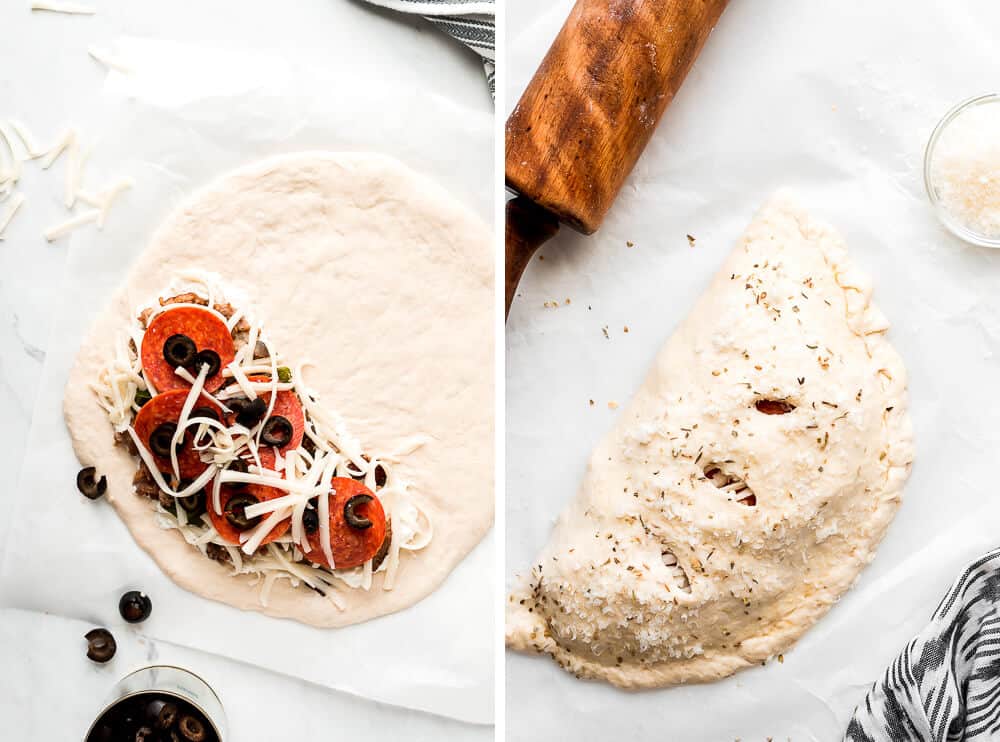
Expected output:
(49, 690)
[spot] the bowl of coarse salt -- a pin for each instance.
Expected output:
(962, 170)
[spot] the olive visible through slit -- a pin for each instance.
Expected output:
(101, 645)
(191, 729)
(310, 521)
(161, 438)
(88, 484)
(353, 519)
(179, 350)
(277, 431)
(236, 511)
(135, 606)
(208, 358)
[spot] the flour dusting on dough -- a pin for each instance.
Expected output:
(746, 485)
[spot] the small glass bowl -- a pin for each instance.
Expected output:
(953, 225)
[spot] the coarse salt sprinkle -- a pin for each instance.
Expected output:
(965, 168)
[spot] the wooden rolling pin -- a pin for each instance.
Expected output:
(589, 111)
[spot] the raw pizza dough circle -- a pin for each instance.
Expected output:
(384, 283)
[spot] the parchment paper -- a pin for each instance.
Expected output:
(184, 115)
(835, 100)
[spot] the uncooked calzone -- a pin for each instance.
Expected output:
(747, 484)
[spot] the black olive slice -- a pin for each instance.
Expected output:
(310, 521)
(240, 467)
(191, 729)
(88, 484)
(101, 646)
(135, 606)
(209, 358)
(277, 431)
(353, 519)
(206, 411)
(235, 511)
(179, 350)
(380, 476)
(167, 716)
(248, 413)
(193, 505)
(383, 550)
(162, 714)
(161, 437)
(144, 734)
(141, 397)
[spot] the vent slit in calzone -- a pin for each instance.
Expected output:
(745, 486)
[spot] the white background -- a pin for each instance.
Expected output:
(50, 690)
(835, 100)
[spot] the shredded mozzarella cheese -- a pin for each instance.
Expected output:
(60, 230)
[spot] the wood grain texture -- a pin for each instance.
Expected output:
(528, 228)
(596, 99)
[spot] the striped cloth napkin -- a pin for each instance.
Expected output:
(945, 685)
(468, 21)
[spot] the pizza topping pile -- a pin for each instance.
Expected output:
(240, 456)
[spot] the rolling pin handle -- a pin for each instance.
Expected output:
(529, 226)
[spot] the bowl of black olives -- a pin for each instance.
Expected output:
(160, 704)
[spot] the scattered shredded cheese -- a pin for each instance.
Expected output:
(67, 8)
(64, 141)
(29, 142)
(110, 195)
(8, 215)
(108, 60)
(74, 169)
(54, 233)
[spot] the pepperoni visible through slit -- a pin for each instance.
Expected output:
(351, 547)
(166, 408)
(227, 530)
(207, 331)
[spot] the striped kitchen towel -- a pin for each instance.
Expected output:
(946, 683)
(468, 21)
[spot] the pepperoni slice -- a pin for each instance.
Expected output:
(166, 408)
(287, 405)
(351, 547)
(227, 530)
(207, 331)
